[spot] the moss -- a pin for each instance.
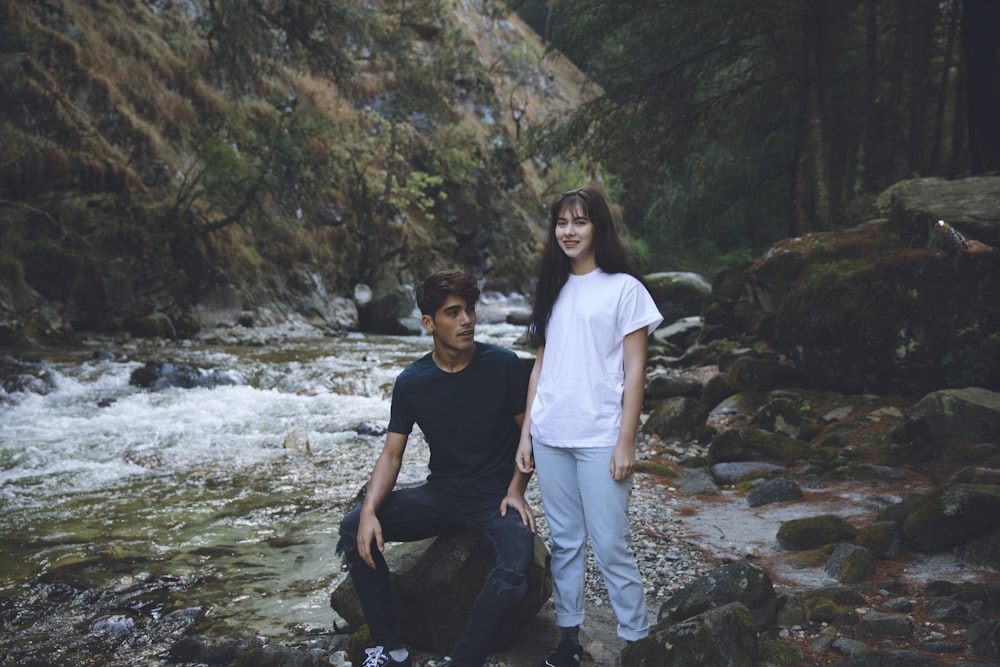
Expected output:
(813, 532)
(781, 653)
(807, 559)
(658, 469)
(360, 640)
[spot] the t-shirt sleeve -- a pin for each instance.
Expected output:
(401, 419)
(637, 309)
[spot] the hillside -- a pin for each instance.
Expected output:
(164, 168)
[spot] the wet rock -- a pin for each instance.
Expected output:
(161, 375)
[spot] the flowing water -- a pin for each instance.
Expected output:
(130, 516)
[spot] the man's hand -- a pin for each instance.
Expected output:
(369, 528)
(622, 462)
(977, 248)
(519, 504)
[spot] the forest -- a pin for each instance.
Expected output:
(729, 125)
(154, 150)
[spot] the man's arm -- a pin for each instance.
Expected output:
(380, 485)
(980, 249)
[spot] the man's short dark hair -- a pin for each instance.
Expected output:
(437, 287)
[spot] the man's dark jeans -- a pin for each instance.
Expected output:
(416, 513)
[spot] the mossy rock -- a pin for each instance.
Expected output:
(657, 469)
(360, 640)
(803, 560)
(749, 444)
(834, 605)
(779, 653)
(950, 516)
(814, 532)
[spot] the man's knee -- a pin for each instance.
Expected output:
(348, 542)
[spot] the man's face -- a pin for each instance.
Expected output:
(453, 325)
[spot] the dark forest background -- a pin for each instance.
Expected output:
(730, 124)
(155, 153)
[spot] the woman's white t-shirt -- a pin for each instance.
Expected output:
(578, 400)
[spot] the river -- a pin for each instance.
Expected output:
(130, 517)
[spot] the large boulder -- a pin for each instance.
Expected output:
(949, 417)
(952, 515)
(733, 582)
(719, 636)
(887, 306)
(678, 294)
(434, 583)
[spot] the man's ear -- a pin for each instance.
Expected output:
(428, 323)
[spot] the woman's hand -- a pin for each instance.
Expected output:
(524, 459)
(622, 462)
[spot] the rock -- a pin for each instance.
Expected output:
(884, 539)
(733, 582)
(888, 659)
(719, 636)
(737, 471)
(774, 491)
(941, 419)
(952, 515)
(985, 638)
(682, 333)
(679, 417)
(748, 444)
(661, 387)
(880, 624)
(434, 583)
(814, 532)
(850, 564)
(678, 294)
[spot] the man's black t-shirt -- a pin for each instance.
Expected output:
(467, 418)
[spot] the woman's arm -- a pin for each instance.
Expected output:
(525, 461)
(623, 457)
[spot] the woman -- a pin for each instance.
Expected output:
(591, 319)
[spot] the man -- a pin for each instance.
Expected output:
(468, 399)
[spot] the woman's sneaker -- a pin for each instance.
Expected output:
(377, 656)
(567, 654)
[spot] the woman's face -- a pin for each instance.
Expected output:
(575, 235)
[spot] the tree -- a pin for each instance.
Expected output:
(982, 44)
(732, 124)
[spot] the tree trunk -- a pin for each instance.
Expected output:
(812, 179)
(982, 49)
